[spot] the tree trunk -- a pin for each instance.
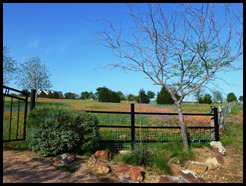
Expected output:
(183, 128)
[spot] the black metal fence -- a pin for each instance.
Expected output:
(194, 132)
(133, 132)
(14, 114)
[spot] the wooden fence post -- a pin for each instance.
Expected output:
(132, 126)
(216, 124)
(33, 96)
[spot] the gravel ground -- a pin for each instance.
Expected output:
(28, 167)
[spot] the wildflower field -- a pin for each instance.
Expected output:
(141, 120)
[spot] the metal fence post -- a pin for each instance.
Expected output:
(216, 124)
(132, 126)
(33, 95)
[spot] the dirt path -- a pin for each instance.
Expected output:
(28, 167)
(231, 171)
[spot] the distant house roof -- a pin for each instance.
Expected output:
(45, 91)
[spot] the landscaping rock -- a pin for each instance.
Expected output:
(103, 154)
(191, 176)
(102, 168)
(128, 173)
(63, 159)
(218, 146)
(212, 163)
(197, 167)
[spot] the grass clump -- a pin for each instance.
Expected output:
(155, 156)
(140, 155)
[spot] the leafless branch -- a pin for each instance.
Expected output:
(184, 47)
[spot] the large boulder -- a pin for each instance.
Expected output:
(216, 145)
(129, 174)
(191, 177)
(103, 154)
(195, 166)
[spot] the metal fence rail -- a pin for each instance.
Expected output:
(133, 130)
(14, 122)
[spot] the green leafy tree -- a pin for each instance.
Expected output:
(103, 94)
(151, 94)
(33, 74)
(26, 92)
(9, 67)
(61, 96)
(70, 95)
(231, 97)
(106, 95)
(85, 95)
(143, 97)
(92, 96)
(131, 97)
(54, 95)
(164, 97)
(240, 98)
(217, 96)
(200, 100)
(198, 93)
(114, 97)
(121, 95)
(43, 94)
(207, 98)
(50, 94)
(181, 46)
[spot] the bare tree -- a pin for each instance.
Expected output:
(179, 46)
(34, 75)
(217, 96)
(9, 67)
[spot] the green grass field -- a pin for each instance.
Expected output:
(123, 106)
(123, 119)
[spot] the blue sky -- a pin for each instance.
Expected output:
(64, 36)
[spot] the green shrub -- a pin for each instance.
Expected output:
(52, 131)
(142, 154)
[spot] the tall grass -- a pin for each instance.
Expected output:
(232, 134)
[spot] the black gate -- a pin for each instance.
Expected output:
(14, 114)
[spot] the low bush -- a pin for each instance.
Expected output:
(155, 155)
(52, 131)
(140, 155)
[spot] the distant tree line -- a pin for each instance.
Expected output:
(104, 94)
